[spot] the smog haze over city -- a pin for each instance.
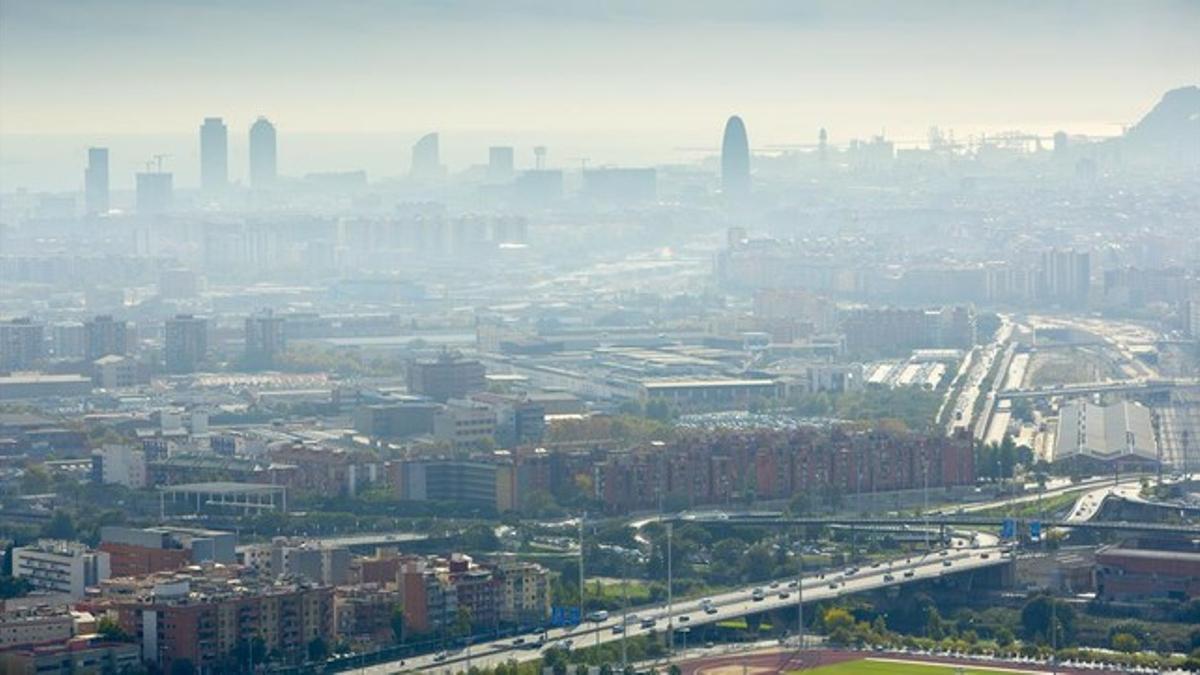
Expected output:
(612, 337)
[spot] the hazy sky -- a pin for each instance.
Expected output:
(646, 75)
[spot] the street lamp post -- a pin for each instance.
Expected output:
(670, 601)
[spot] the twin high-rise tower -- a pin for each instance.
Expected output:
(262, 153)
(95, 182)
(214, 154)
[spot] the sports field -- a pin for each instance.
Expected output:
(887, 667)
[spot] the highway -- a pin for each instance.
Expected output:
(737, 603)
(781, 593)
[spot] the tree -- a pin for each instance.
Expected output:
(462, 621)
(835, 618)
(109, 629)
(317, 650)
(757, 563)
(60, 526)
(1038, 614)
(800, 505)
(398, 623)
(7, 569)
(1124, 642)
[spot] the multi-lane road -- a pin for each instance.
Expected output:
(782, 593)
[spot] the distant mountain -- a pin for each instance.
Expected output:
(1170, 132)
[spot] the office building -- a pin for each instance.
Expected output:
(60, 566)
(214, 155)
(735, 161)
(312, 560)
(22, 344)
(68, 340)
(120, 465)
(95, 182)
(464, 423)
(265, 339)
(1065, 277)
(140, 551)
(155, 192)
(105, 336)
(263, 167)
(395, 420)
(114, 372)
(426, 159)
(185, 343)
(500, 163)
(487, 484)
(448, 376)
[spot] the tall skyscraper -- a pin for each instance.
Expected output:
(22, 343)
(95, 182)
(265, 339)
(735, 160)
(214, 155)
(154, 192)
(500, 163)
(426, 161)
(103, 336)
(185, 343)
(262, 153)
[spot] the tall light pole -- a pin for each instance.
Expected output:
(624, 610)
(800, 592)
(582, 516)
(670, 601)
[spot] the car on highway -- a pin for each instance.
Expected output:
(833, 585)
(440, 656)
(648, 622)
(784, 595)
(909, 574)
(685, 618)
(946, 563)
(710, 610)
(618, 629)
(757, 594)
(598, 616)
(888, 577)
(985, 556)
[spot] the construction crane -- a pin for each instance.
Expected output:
(156, 163)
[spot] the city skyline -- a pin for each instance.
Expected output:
(625, 84)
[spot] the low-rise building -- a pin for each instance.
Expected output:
(140, 551)
(204, 613)
(83, 654)
(60, 566)
(35, 625)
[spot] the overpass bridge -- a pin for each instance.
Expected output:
(680, 617)
(1141, 386)
(965, 521)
